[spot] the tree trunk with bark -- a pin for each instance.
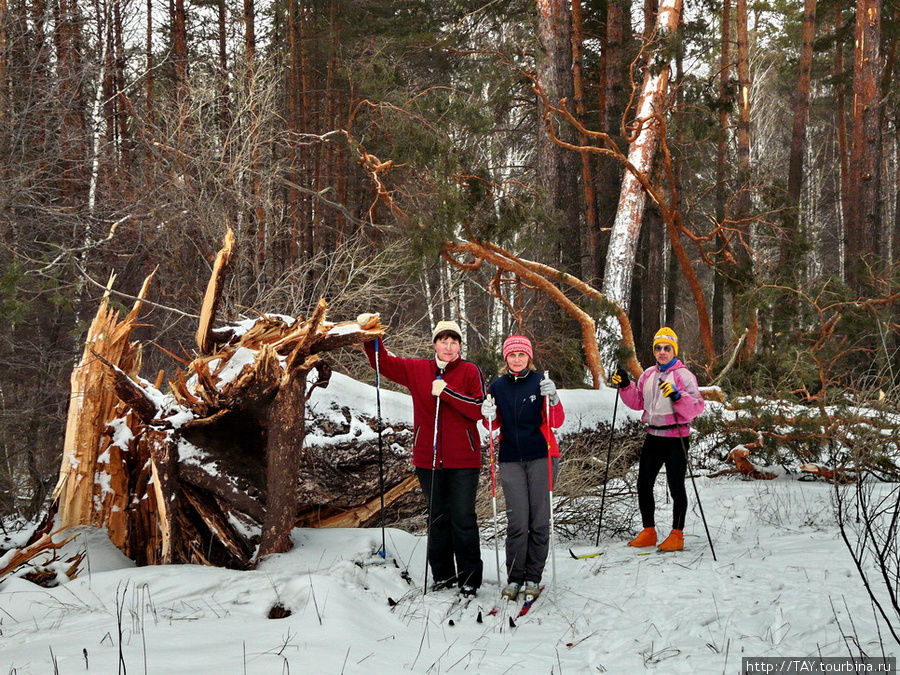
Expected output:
(592, 226)
(71, 97)
(741, 232)
(615, 92)
(180, 54)
(798, 134)
(863, 228)
(722, 177)
(558, 169)
(632, 198)
(4, 59)
(743, 312)
(149, 66)
(835, 236)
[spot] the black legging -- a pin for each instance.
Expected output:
(659, 450)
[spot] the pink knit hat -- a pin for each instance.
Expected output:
(517, 343)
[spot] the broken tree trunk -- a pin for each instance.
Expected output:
(841, 474)
(213, 295)
(92, 406)
(286, 426)
(743, 466)
(216, 471)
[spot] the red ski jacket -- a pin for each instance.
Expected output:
(458, 444)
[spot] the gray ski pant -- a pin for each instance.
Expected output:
(527, 494)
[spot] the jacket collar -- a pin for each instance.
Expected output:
(671, 365)
(444, 365)
(515, 377)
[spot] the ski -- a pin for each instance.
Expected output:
(405, 598)
(500, 604)
(416, 593)
(526, 607)
(529, 603)
(585, 556)
(459, 604)
(661, 552)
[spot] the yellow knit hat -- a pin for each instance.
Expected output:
(666, 335)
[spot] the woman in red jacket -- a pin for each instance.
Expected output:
(447, 390)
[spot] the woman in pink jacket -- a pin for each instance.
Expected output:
(670, 399)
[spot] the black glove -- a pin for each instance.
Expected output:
(620, 378)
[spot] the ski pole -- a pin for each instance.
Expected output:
(550, 482)
(612, 430)
(383, 551)
(437, 412)
(494, 497)
(687, 460)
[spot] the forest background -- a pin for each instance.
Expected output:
(727, 169)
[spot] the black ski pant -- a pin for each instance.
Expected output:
(454, 546)
(656, 452)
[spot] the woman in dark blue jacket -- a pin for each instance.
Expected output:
(517, 405)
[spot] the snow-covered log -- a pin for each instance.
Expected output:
(840, 475)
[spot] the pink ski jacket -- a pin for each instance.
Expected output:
(662, 416)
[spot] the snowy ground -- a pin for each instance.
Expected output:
(783, 585)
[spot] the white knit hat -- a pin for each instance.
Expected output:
(446, 327)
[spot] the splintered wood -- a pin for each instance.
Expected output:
(214, 471)
(90, 443)
(743, 466)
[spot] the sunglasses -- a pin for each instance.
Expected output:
(662, 348)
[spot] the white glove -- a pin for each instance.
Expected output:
(548, 388)
(437, 387)
(489, 409)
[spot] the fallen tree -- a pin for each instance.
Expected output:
(216, 471)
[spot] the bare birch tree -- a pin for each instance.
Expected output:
(632, 198)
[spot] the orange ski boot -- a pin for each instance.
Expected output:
(674, 542)
(647, 537)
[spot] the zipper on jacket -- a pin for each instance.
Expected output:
(437, 423)
(521, 403)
